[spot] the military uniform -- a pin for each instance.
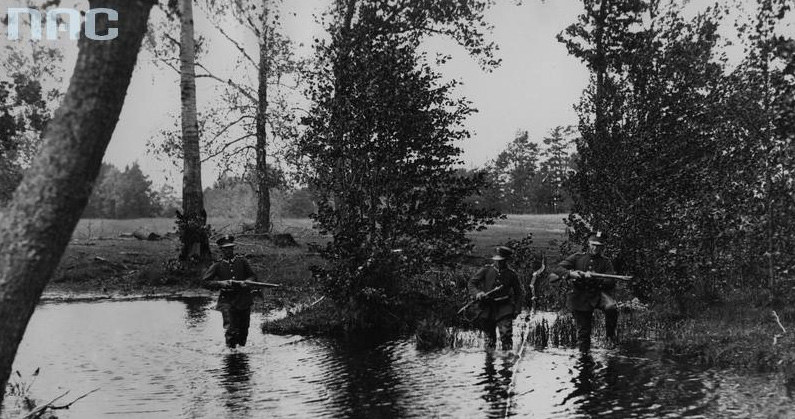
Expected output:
(235, 301)
(585, 294)
(499, 309)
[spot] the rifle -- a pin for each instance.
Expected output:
(618, 277)
(488, 294)
(555, 277)
(256, 284)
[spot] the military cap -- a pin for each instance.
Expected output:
(502, 253)
(226, 241)
(596, 238)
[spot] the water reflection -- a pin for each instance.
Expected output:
(496, 382)
(361, 379)
(167, 359)
(235, 377)
(583, 381)
(196, 311)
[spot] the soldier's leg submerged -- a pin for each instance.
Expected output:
(584, 320)
(489, 328)
(608, 305)
(505, 327)
(229, 330)
(242, 321)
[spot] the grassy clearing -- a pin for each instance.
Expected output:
(548, 232)
(99, 259)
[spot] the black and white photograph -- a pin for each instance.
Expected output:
(397, 209)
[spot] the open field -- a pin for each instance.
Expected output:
(545, 228)
(103, 257)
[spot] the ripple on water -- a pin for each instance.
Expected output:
(166, 359)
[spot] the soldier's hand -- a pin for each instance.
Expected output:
(481, 295)
(575, 274)
(587, 275)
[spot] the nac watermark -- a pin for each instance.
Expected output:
(60, 20)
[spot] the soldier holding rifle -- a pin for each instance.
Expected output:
(234, 277)
(593, 282)
(497, 289)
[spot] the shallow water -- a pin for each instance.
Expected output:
(166, 359)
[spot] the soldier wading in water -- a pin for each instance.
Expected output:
(230, 274)
(497, 289)
(589, 292)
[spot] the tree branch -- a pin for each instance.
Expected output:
(237, 45)
(228, 82)
(225, 146)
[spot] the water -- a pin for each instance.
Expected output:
(166, 359)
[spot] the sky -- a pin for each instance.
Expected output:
(534, 89)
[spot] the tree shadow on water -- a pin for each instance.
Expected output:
(361, 378)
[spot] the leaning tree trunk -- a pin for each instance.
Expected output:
(263, 221)
(193, 219)
(37, 225)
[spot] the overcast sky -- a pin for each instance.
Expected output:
(534, 89)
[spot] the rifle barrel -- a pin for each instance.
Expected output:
(488, 294)
(620, 277)
(262, 284)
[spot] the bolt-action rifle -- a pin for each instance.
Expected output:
(487, 295)
(555, 278)
(255, 284)
(618, 277)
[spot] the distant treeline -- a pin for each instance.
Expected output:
(527, 178)
(129, 193)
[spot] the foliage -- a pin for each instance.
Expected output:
(514, 170)
(556, 169)
(379, 148)
(254, 120)
(122, 194)
(526, 179)
(193, 231)
(682, 159)
(300, 203)
(29, 91)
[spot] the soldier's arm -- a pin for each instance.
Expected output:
(209, 278)
(566, 267)
(475, 282)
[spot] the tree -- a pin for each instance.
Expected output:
(251, 109)
(379, 149)
(646, 122)
(556, 167)
(683, 159)
(193, 218)
(122, 194)
(28, 96)
(102, 202)
(39, 221)
(515, 169)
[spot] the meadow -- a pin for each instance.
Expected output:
(104, 257)
(548, 230)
